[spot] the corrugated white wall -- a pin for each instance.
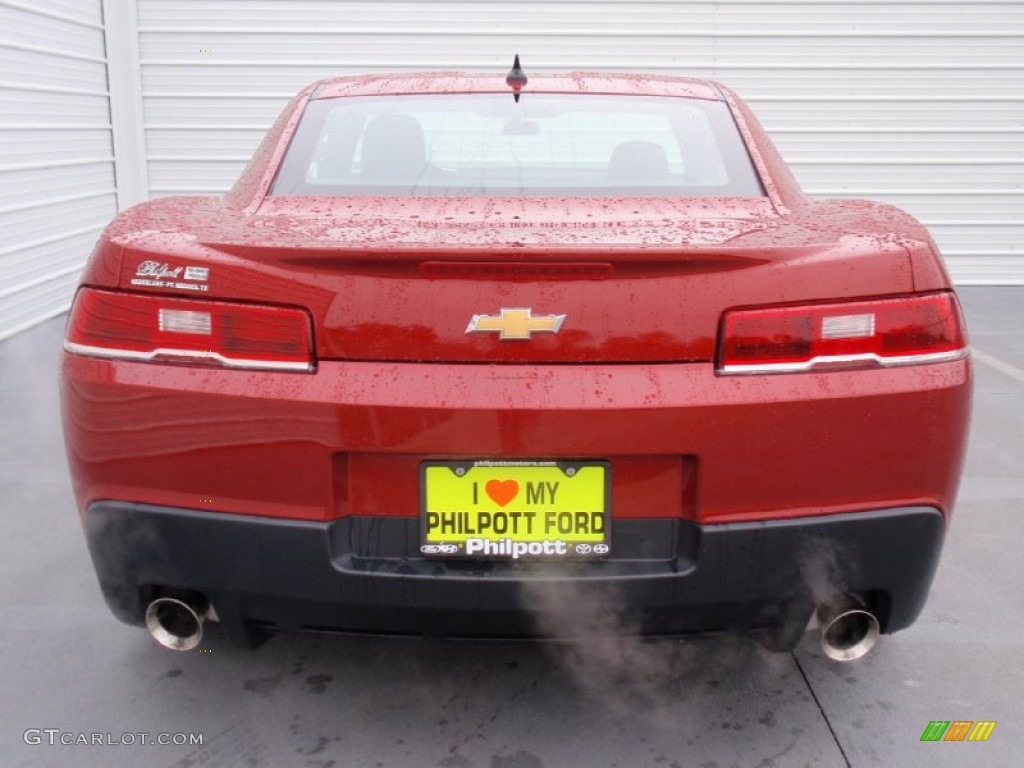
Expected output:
(56, 159)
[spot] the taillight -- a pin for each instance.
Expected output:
(135, 326)
(859, 334)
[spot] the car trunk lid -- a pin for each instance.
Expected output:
(523, 280)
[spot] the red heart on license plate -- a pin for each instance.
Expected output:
(502, 491)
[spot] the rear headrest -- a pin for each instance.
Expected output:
(394, 148)
(638, 162)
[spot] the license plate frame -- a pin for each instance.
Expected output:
(523, 509)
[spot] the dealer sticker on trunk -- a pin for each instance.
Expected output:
(514, 510)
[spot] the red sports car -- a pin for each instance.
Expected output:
(456, 348)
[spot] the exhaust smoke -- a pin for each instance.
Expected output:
(599, 646)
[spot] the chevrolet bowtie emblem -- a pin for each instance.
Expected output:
(515, 324)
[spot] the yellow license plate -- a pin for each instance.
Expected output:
(516, 509)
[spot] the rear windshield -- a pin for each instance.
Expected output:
(546, 144)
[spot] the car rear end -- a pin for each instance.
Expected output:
(442, 403)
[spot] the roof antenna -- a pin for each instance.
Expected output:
(516, 79)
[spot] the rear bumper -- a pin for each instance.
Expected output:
(348, 440)
(364, 574)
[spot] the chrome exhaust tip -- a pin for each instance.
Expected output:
(175, 624)
(849, 633)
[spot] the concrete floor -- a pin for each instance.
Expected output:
(66, 664)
